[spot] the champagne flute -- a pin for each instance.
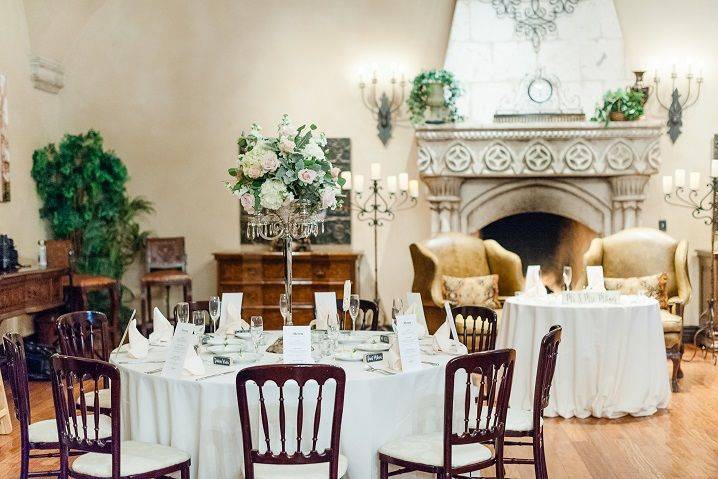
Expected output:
(256, 330)
(567, 274)
(283, 307)
(182, 312)
(214, 311)
(354, 309)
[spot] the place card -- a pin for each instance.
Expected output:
(222, 361)
(384, 338)
(182, 339)
(450, 320)
(326, 305)
(409, 350)
(594, 275)
(413, 301)
(297, 341)
(373, 357)
(347, 294)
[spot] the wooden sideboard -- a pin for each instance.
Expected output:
(30, 290)
(260, 276)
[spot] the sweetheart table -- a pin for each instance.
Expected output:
(202, 418)
(611, 360)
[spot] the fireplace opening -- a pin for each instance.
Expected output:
(550, 240)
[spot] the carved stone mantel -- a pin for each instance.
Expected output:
(600, 171)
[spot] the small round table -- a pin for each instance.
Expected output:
(611, 360)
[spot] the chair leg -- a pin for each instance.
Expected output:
(115, 307)
(676, 368)
(24, 464)
(383, 469)
(143, 308)
(149, 307)
(539, 457)
(184, 474)
(167, 299)
(187, 290)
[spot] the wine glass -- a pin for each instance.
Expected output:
(182, 312)
(354, 309)
(397, 307)
(283, 307)
(214, 311)
(256, 330)
(567, 274)
(332, 331)
(198, 321)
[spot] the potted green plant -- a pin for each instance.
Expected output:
(437, 92)
(620, 105)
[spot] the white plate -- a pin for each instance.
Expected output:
(349, 356)
(373, 347)
(221, 340)
(246, 358)
(242, 334)
(227, 349)
(348, 338)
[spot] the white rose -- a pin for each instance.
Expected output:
(288, 131)
(272, 194)
(329, 197)
(286, 145)
(251, 163)
(307, 176)
(314, 150)
(270, 162)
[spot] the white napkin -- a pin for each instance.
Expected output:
(392, 358)
(193, 364)
(417, 308)
(326, 305)
(534, 286)
(163, 329)
(234, 322)
(139, 345)
(594, 276)
(444, 343)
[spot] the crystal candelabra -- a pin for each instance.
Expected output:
(295, 221)
(676, 107)
(702, 200)
(380, 204)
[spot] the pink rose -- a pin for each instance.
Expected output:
(335, 172)
(255, 171)
(307, 176)
(247, 202)
(329, 197)
(270, 162)
(286, 145)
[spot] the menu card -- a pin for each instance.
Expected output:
(326, 304)
(235, 299)
(408, 339)
(347, 294)
(413, 301)
(297, 342)
(182, 339)
(450, 320)
(594, 275)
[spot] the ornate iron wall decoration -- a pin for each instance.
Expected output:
(338, 223)
(534, 18)
(675, 116)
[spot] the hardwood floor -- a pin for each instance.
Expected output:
(679, 443)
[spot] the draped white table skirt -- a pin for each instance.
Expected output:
(611, 360)
(202, 418)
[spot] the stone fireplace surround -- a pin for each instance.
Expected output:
(593, 174)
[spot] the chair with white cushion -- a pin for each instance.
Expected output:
(476, 441)
(290, 454)
(530, 423)
(109, 457)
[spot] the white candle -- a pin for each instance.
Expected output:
(391, 184)
(376, 171)
(714, 168)
(347, 175)
(414, 188)
(680, 176)
(358, 183)
(667, 185)
(403, 181)
(695, 180)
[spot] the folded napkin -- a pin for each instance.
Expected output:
(444, 343)
(392, 358)
(139, 345)
(417, 310)
(163, 329)
(234, 321)
(534, 286)
(594, 277)
(193, 363)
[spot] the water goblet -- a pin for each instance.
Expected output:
(198, 321)
(567, 274)
(182, 312)
(332, 331)
(214, 311)
(256, 330)
(354, 309)
(283, 307)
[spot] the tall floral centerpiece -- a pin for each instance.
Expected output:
(285, 183)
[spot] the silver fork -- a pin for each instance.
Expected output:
(369, 367)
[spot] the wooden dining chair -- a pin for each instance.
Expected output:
(476, 327)
(107, 457)
(84, 334)
(34, 436)
(312, 464)
(368, 317)
(449, 454)
(530, 423)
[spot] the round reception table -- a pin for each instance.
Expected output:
(611, 360)
(201, 416)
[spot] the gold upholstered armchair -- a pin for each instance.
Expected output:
(638, 252)
(460, 255)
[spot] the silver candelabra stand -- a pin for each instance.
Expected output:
(702, 200)
(295, 221)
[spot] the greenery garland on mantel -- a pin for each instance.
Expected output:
(420, 93)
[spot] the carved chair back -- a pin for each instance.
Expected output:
(297, 375)
(17, 368)
(75, 392)
(479, 327)
(544, 373)
(84, 334)
(492, 372)
(165, 253)
(368, 317)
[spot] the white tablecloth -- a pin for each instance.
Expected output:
(611, 360)
(202, 417)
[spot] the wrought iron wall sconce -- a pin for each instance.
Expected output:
(677, 106)
(384, 107)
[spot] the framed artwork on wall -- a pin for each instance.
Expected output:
(4, 143)
(338, 223)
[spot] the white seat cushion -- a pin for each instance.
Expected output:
(429, 449)
(519, 420)
(135, 458)
(46, 431)
(104, 396)
(302, 471)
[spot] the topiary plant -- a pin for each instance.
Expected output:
(627, 103)
(417, 101)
